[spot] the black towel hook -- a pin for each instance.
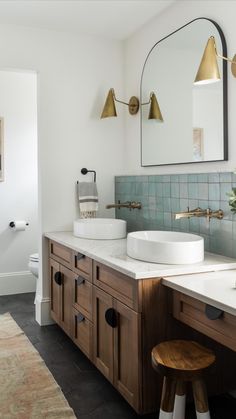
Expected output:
(84, 171)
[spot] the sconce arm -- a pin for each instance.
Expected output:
(225, 58)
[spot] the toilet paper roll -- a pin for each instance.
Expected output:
(18, 225)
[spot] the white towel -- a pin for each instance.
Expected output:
(88, 199)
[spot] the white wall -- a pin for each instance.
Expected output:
(136, 50)
(18, 191)
(74, 74)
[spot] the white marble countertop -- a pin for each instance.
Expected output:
(214, 288)
(113, 254)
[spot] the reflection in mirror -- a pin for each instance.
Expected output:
(1, 151)
(195, 116)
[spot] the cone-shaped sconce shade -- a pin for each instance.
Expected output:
(109, 107)
(208, 71)
(154, 111)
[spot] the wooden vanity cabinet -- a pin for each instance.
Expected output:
(114, 319)
(61, 295)
(116, 344)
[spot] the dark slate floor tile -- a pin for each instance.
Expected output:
(87, 391)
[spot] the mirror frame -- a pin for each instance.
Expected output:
(225, 95)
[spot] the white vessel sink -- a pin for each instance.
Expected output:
(100, 228)
(167, 247)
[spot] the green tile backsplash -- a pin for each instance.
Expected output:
(163, 195)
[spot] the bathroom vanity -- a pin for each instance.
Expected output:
(116, 309)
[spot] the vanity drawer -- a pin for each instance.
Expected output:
(192, 312)
(60, 253)
(118, 285)
(81, 332)
(82, 296)
(82, 265)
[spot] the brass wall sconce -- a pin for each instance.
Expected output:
(208, 71)
(109, 109)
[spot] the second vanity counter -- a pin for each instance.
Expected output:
(113, 254)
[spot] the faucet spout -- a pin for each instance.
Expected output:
(130, 205)
(197, 212)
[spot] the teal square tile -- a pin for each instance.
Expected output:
(174, 190)
(192, 178)
(166, 178)
(194, 225)
(160, 218)
(175, 204)
(203, 191)
(202, 178)
(225, 177)
(152, 202)
(193, 190)
(167, 219)
(151, 189)
(193, 203)
(226, 228)
(183, 190)
(213, 178)
(203, 204)
(224, 189)
(183, 205)
(214, 205)
(167, 204)
(159, 190)
(159, 204)
(174, 178)
(166, 189)
(184, 224)
(204, 225)
(183, 178)
(141, 178)
(214, 191)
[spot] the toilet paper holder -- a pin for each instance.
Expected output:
(12, 224)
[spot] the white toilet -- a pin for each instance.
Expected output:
(34, 264)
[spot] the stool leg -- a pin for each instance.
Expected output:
(167, 398)
(200, 399)
(180, 400)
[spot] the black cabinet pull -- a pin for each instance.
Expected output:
(80, 280)
(213, 313)
(58, 278)
(80, 256)
(79, 318)
(111, 317)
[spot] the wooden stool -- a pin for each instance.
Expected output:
(180, 361)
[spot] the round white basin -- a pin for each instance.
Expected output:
(167, 247)
(100, 228)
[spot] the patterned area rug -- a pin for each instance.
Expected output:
(27, 388)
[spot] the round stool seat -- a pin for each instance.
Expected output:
(181, 357)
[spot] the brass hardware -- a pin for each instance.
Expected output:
(129, 204)
(110, 108)
(154, 111)
(133, 106)
(208, 71)
(198, 212)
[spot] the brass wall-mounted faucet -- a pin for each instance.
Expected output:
(198, 212)
(128, 204)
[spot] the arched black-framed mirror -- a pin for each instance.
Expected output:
(195, 118)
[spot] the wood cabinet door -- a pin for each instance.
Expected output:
(127, 348)
(55, 290)
(102, 333)
(66, 299)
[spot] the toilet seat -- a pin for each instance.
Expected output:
(34, 257)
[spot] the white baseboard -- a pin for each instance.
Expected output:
(17, 282)
(42, 311)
